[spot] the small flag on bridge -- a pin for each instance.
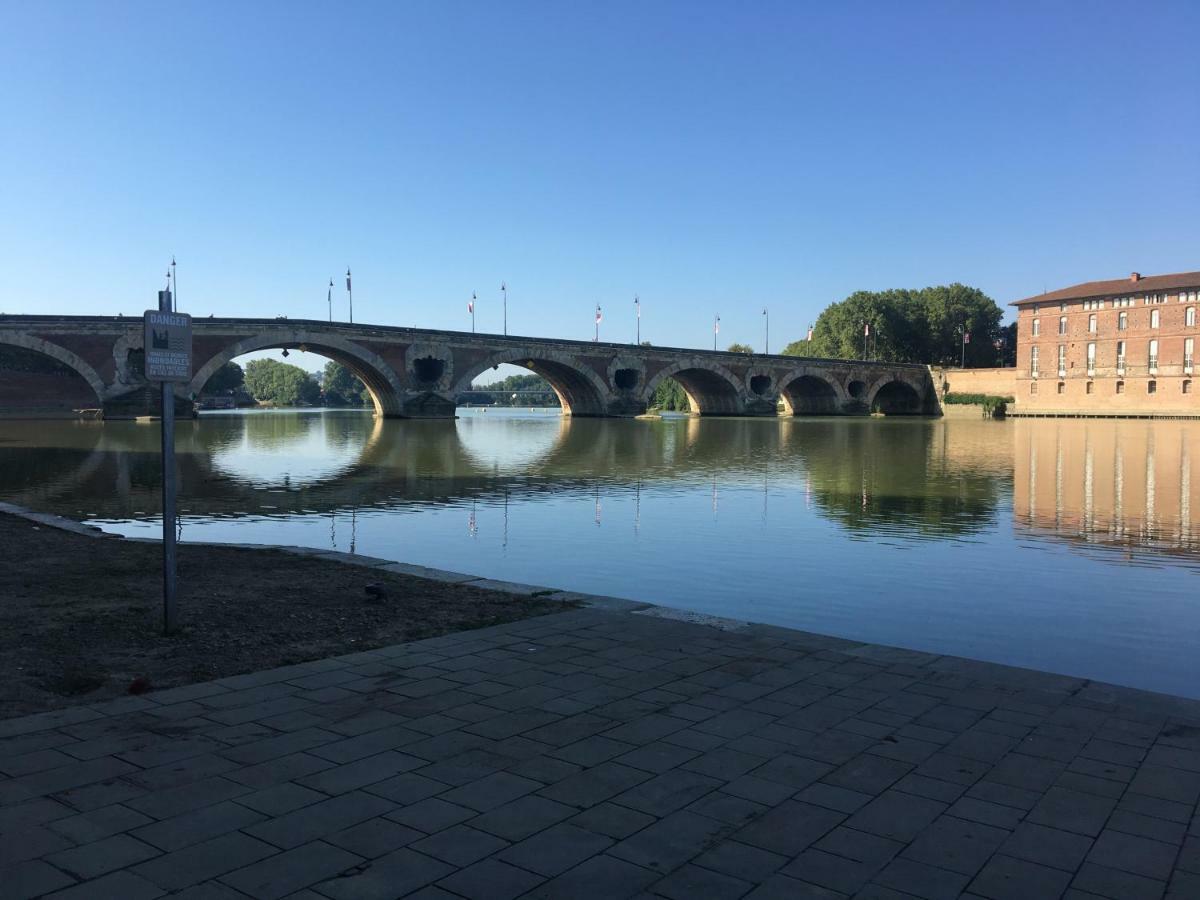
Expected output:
(966, 337)
(471, 304)
(717, 325)
(810, 332)
(347, 279)
(598, 316)
(866, 329)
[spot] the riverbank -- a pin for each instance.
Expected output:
(81, 615)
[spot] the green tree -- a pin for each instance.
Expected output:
(740, 348)
(669, 395)
(270, 381)
(227, 378)
(341, 387)
(924, 326)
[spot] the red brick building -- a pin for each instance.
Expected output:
(1123, 347)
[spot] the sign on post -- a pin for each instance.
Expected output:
(168, 342)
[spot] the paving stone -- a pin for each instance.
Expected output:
(759, 790)
(689, 882)
(287, 872)
(592, 750)
(374, 838)
(35, 841)
(668, 792)
(783, 887)
(790, 827)
(555, 850)
(956, 844)
(671, 841)
(985, 813)
(194, 795)
(395, 875)
(280, 798)
(196, 826)
(460, 845)
(1115, 884)
(491, 880)
(492, 791)
(203, 861)
(1129, 853)
(613, 821)
(1048, 846)
(311, 822)
(520, 818)
(859, 846)
(896, 815)
(595, 785)
(31, 878)
(1007, 878)
(599, 878)
(752, 864)
(727, 808)
(1072, 811)
(836, 873)
(360, 773)
(920, 880)
(115, 886)
(431, 815)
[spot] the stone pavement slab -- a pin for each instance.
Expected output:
(607, 753)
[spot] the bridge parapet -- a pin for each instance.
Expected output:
(419, 373)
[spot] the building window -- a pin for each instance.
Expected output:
(1062, 307)
(1120, 387)
(1120, 357)
(1122, 321)
(1154, 318)
(1153, 356)
(1189, 349)
(1151, 387)
(1189, 317)
(1033, 387)
(1092, 323)
(1035, 309)
(1091, 359)
(1091, 385)
(1037, 327)
(1062, 387)
(1062, 360)
(1187, 385)
(1062, 324)
(1033, 361)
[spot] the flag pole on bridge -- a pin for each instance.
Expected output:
(350, 293)
(174, 283)
(471, 310)
(637, 303)
(716, 329)
(329, 299)
(598, 317)
(504, 291)
(767, 336)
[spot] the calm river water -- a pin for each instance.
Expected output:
(1066, 545)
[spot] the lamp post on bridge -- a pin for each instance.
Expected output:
(767, 332)
(638, 307)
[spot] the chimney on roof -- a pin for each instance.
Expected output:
(1135, 276)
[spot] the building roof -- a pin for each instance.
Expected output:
(1118, 286)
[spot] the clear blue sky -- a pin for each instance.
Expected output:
(709, 157)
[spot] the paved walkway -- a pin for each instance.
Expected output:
(609, 754)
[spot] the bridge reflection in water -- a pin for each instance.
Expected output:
(1063, 545)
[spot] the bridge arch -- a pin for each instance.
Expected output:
(381, 381)
(895, 395)
(60, 354)
(809, 391)
(581, 392)
(712, 390)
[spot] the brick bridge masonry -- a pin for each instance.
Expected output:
(417, 373)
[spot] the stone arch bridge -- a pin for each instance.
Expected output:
(418, 373)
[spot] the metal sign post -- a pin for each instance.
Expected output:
(168, 347)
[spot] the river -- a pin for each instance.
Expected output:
(1064, 545)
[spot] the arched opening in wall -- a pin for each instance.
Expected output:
(809, 395)
(551, 383)
(897, 398)
(626, 379)
(287, 375)
(858, 390)
(669, 396)
(36, 384)
(428, 369)
(760, 384)
(708, 393)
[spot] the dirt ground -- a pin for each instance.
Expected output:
(81, 617)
